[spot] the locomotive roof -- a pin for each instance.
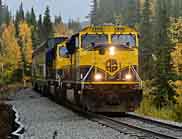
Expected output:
(108, 28)
(44, 45)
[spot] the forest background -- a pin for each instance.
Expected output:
(158, 21)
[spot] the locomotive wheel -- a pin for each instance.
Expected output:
(35, 87)
(41, 90)
(77, 97)
(62, 93)
(45, 91)
(55, 96)
(49, 93)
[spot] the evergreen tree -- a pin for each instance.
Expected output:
(21, 12)
(19, 17)
(1, 6)
(47, 24)
(7, 15)
(164, 93)
(131, 13)
(28, 18)
(33, 18)
(103, 12)
(93, 12)
(40, 29)
(74, 25)
(58, 19)
(147, 47)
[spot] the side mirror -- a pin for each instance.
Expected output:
(71, 48)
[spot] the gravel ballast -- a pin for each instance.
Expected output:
(44, 119)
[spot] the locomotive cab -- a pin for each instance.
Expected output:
(104, 69)
(96, 69)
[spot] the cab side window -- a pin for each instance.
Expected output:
(63, 52)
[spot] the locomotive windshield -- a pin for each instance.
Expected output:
(124, 39)
(88, 39)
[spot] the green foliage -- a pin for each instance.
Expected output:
(74, 25)
(147, 42)
(47, 24)
(5, 15)
(148, 107)
(40, 29)
(152, 19)
(0, 12)
(58, 19)
(31, 20)
(165, 93)
(19, 17)
(107, 11)
(178, 110)
(175, 29)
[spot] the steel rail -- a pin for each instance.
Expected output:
(154, 121)
(118, 125)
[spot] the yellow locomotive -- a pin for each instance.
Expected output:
(96, 69)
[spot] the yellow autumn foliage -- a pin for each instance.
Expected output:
(11, 54)
(175, 29)
(26, 41)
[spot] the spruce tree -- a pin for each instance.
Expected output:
(58, 19)
(1, 6)
(146, 49)
(47, 24)
(7, 15)
(164, 93)
(33, 18)
(40, 29)
(19, 17)
(21, 12)
(93, 11)
(131, 13)
(28, 18)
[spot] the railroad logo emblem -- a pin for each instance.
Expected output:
(111, 65)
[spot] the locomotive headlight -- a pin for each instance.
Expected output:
(98, 76)
(112, 50)
(128, 76)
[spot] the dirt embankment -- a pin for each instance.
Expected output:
(6, 120)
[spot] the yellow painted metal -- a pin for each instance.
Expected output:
(61, 62)
(124, 57)
(124, 83)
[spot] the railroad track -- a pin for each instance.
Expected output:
(133, 125)
(162, 123)
(128, 127)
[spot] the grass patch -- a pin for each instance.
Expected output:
(148, 109)
(170, 112)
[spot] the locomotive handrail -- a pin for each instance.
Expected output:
(137, 75)
(87, 73)
(86, 76)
